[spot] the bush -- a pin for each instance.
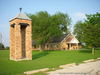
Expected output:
(2, 46)
(7, 48)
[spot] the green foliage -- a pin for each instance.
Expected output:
(43, 59)
(1, 46)
(89, 30)
(46, 26)
(78, 30)
(7, 48)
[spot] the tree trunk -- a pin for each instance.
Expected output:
(93, 51)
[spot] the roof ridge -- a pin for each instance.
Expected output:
(21, 16)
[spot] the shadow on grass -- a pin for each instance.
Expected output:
(85, 51)
(41, 54)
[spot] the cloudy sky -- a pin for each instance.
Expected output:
(76, 9)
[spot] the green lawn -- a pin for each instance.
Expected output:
(43, 59)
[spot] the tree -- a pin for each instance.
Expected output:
(46, 26)
(89, 30)
(1, 46)
(78, 30)
(93, 29)
(7, 48)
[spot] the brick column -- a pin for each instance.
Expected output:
(29, 41)
(77, 46)
(12, 43)
(69, 46)
(18, 52)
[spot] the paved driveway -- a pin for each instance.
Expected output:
(90, 68)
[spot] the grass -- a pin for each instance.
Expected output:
(43, 59)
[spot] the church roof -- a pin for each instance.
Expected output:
(21, 16)
(70, 38)
(58, 39)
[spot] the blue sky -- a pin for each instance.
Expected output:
(76, 9)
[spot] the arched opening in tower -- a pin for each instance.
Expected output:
(23, 41)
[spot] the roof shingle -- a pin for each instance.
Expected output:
(22, 16)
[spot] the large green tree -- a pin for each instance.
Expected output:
(78, 30)
(88, 31)
(46, 26)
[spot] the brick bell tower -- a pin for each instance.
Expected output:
(20, 37)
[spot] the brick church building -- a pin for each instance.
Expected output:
(65, 42)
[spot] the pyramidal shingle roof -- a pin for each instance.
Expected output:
(21, 16)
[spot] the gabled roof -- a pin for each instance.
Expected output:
(21, 16)
(69, 38)
(72, 39)
(58, 39)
